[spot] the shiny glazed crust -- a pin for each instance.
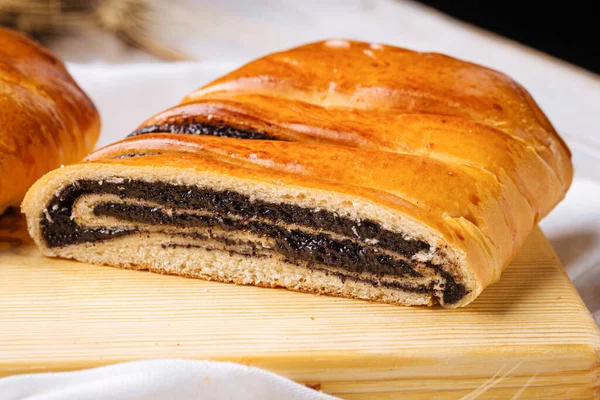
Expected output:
(46, 119)
(452, 153)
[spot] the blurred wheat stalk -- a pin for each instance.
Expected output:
(129, 20)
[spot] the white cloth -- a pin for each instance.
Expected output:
(158, 380)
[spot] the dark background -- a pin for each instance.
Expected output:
(565, 29)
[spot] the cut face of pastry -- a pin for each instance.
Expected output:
(383, 184)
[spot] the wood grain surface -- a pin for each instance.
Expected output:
(528, 336)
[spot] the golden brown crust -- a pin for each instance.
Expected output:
(459, 148)
(46, 119)
(371, 79)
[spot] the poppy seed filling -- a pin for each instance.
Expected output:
(197, 128)
(364, 245)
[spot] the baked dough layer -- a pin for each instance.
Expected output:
(372, 172)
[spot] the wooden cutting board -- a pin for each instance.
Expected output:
(528, 336)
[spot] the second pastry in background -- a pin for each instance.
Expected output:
(46, 120)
